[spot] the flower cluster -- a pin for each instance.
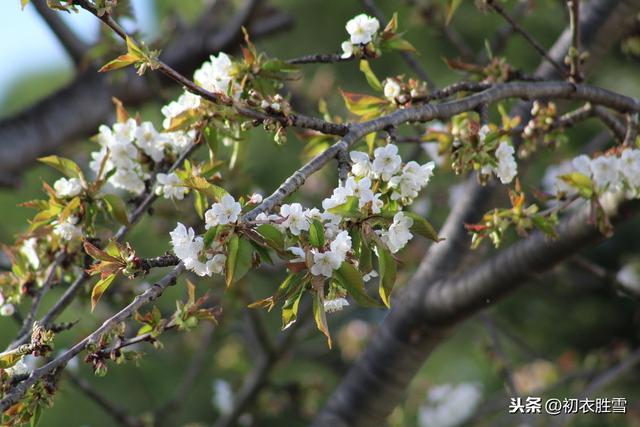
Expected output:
(189, 248)
(126, 148)
(618, 170)
(361, 29)
(321, 243)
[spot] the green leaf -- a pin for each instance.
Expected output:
(272, 236)
(423, 227)
(397, 43)
(238, 259)
(99, 289)
(262, 251)
(351, 279)
(387, 266)
(580, 182)
(316, 234)
(10, 358)
(200, 203)
(366, 106)
(365, 260)
(66, 166)
(134, 54)
(211, 234)
(210, 190)
(347, 209)
(275, 65)
(120, 62)
(116, 208)
(320, 316)
(290, 307)
(451, 7)
(371, 77)
(35, 418)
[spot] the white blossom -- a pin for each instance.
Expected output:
(7, 310)
(630, 167)
(186, 101)
(398, 234)
(150, 141)
(224, 212)
(216, 75)
(582, 164)
(606, 173)
(483, 132)
(222, 397)
(255, 198)
(449, 405)
(340, 245)
(125, 132)
(362, 28)
(68, 230)
(29, 250)
(414, 177)
(391, 89)
(376, 203)
(170, 186)
(361, 164)
(294, 218)
(325, 262)
(128, 179)
(386, 161)
(347, 49)
(179, 141)
(338, 197)
(298, 252)
(507, 167)
(629, 277)
(337, 304)
(67, 187)
(551, 181)
(370, 275)
(184, 242)
(360, 189)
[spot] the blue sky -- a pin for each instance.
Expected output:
(29, 45)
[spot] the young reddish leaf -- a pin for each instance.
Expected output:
(97, 253)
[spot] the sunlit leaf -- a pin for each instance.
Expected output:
(370, 76)
(99, 289)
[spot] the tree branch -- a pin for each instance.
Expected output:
(75, 48)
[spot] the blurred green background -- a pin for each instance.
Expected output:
(563, 322)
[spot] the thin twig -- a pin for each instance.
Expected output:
(533, 42)
(75, 48)
(574, 51)
(116, 412)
